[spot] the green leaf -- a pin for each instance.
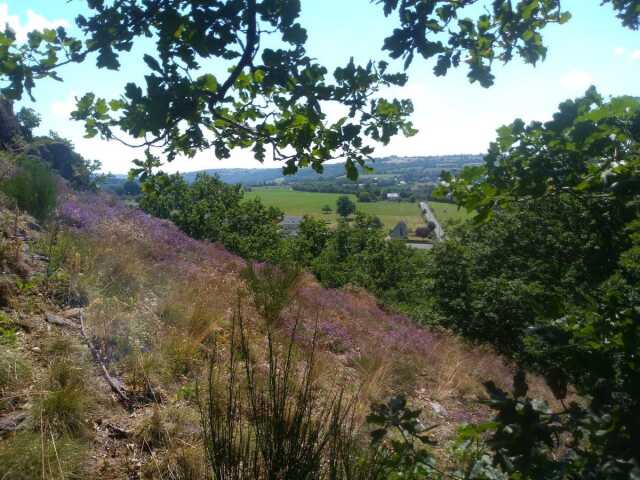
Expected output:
(152, 63)
(208, 82)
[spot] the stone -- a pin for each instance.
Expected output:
(72, 313)
(60, 321)
(12, 421)
(438, 409)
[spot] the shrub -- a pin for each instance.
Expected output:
(344, 206)
(273, 425)
(272, 288)
(181, 354)
(33, 188)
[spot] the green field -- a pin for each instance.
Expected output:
(447, 212)
(310, 203)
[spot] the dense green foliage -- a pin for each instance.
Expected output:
(28, 119)
(33, 188)
(344, 206)
(357, 253)
(209, 209)
(551, 276)
(59, 154)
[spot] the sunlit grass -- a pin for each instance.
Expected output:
(310, 203)
(449, 212)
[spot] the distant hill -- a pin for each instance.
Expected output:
(411, 169)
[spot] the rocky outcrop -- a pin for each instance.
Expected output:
(59, 155)
(10, 132)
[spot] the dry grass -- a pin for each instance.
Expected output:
(15, 374)
(64, 406)
(156, 306)
(29, 456)
(186, 297)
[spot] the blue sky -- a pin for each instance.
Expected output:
(452, 115)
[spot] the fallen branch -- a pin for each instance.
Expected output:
(115, 384)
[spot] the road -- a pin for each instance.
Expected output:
(430, 217)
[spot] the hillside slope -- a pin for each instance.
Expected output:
(153, 302)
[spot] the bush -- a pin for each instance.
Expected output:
(33, 188)
(345, 207)
(209, 209)
(277, 424)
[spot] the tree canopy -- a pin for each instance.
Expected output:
(271, 100)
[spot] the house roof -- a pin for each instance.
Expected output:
(400, 230)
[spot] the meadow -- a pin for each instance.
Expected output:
(311, 203)
(448, 212)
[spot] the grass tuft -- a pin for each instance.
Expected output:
(29, 456)
(14, 374)
(63, 409)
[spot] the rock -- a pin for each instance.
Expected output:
(36, 349)
(72, 313)
(12, 421)
(34, 226)
(10, 130)
(438, 409)
(60, 321)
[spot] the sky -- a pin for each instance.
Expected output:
(452, 115)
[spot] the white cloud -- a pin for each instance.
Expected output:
(576, 80)
(635, 55)
(34, 22)
(618, 51)
(61, 109)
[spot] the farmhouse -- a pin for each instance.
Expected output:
(393, 196)
(400, 231)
